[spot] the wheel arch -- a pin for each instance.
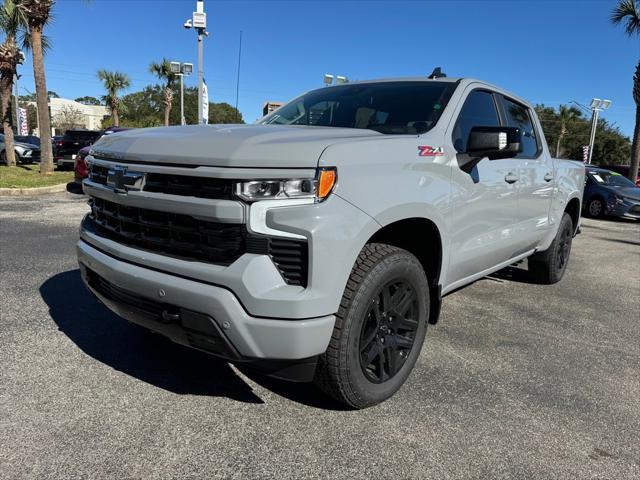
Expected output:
(573, 209)
(421, 237)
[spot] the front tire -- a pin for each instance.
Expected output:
(595, 208)
(549, 266)
(380, 327)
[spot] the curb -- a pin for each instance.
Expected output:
(16, 192)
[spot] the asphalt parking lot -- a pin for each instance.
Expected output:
(516, 381)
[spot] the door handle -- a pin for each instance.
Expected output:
(511, 178)
(548, 177)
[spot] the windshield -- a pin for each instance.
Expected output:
(611, 179)
(388, 107)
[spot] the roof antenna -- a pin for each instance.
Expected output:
(437, 73)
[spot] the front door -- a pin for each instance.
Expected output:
(485, 201)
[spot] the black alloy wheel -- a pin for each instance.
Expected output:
(389, 331)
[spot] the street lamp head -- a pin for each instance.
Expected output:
(175, 67)
(605, 104)
(328, 79)
(341, 79)
(187, 68)
(595, 103)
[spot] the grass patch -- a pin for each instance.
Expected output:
(28, 176)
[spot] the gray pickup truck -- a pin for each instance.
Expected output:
(317, 244)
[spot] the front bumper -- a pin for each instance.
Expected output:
(626, 209)
(245, 337)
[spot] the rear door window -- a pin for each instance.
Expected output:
(519, 116)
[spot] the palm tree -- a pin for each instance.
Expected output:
(37, 14)
(163, 71)
(113, 83)
(566, 116)
(627, 12)
(11, 23)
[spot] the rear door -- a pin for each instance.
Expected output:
(485, 200)
(536, 177)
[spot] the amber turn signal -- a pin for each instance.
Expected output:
(326, 182)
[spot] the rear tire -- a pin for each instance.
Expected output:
(380, 327)
(549, 266)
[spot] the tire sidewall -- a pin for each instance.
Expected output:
(397, 266)
(565, 223)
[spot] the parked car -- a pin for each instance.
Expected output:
(622, 170)
(66, 150)
(31, 139)
(80, 167)
(318, 243)
(610, 193)
(25, 152)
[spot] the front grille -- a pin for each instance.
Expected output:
(171, 233)
(188, 238)
(182, 185)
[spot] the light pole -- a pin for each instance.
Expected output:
(199, 22)
(181, 69)
(16, 104)
(596, 106)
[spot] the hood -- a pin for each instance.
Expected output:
(629, 192)
(269, 146)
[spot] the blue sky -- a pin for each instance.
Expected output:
(549, 52)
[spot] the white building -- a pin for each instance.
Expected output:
(87, 116)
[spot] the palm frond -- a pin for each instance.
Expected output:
(627, 12)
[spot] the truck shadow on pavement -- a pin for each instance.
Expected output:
(151, 358)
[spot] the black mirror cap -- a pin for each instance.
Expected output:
(495, 142)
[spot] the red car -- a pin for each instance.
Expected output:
(80, 165)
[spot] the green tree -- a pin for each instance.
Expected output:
(611, 146)
(113, 82)
(566, 117)
(162, 70)
(627, 12)
(87, 100)
(37, 14)
(11, 24)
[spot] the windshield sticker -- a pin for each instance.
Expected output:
(428, 151)
(598, 178)
(614, 173)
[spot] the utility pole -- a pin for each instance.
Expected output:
(199, 22)
(596, 106)
(238, 78)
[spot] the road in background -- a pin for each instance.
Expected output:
(516, 381)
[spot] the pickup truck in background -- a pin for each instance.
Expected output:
(317, 244)
(66, 149)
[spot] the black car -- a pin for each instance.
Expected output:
(66, 150)
(610, 193)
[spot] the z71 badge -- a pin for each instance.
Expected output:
(428, 151)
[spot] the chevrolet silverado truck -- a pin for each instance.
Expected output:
(317, 244)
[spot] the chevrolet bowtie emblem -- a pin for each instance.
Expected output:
(121, 181)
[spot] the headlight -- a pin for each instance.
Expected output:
(619, 200)
(318, 188)
(26, 153)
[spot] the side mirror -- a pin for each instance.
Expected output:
(491, 142)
